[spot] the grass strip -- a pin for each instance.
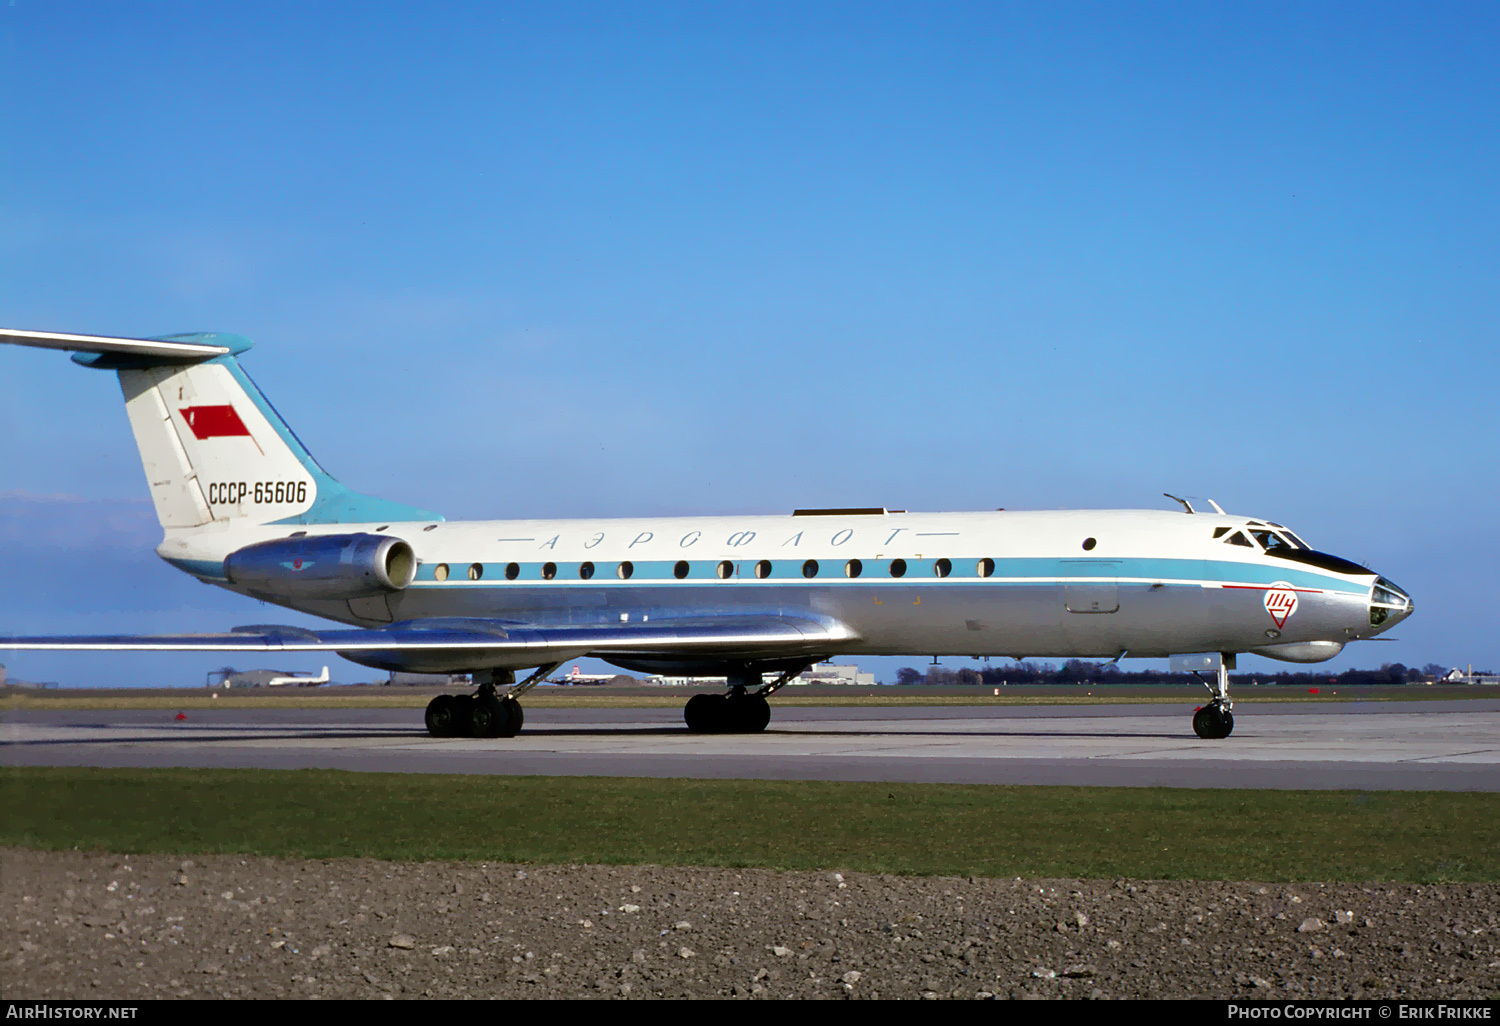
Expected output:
(918, 829)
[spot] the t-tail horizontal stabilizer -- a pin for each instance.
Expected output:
(214, 449)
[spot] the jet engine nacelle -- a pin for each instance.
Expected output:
(327, 566)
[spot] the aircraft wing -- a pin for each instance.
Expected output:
(477, 642)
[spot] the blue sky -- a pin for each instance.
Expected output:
(591, 259)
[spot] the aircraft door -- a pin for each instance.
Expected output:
(1091, 585)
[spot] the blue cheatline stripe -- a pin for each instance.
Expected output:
(1019, 571)
(208, 568)
(335, 503)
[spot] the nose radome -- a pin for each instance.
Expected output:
(1389, 605)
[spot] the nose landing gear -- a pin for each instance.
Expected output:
(1215, 721)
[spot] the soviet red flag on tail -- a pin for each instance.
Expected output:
(214, 422)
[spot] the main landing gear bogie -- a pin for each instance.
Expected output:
(727, 714)
(486, 713)
(479, 716)
(743, 710)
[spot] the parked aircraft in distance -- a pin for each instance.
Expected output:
(301, 682)
(577, 676)
(244, 506)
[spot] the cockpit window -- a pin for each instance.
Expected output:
(1238, 538)
(1387, 600)
(1220, 532)
(1271, 541)
(1298, 541)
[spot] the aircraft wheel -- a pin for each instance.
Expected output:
(463, 707)
(693, 714)
(515, 716)
(758, 714)
(705, 713)
(1213, 722)
(750, 714)
(488, 717)
(763, 713)
(441, 716)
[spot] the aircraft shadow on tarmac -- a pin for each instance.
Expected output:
(935, 736)
(228, 734)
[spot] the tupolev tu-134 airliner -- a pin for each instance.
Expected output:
(755, 599)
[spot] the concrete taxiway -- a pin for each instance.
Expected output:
(1413, 745)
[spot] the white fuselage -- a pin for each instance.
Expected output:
(1088, 583)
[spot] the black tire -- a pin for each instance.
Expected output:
(696, 713)
(718, 711)
(708, 714)
(488, 717)
(515, 716)
(439, 716)
(746, 714)
(462, 706)
(1203, 723)
(756, 714)
(1213, 723)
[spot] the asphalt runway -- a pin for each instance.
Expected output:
(1417, 745)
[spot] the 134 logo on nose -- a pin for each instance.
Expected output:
(1281, 602)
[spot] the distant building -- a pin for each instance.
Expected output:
(1457, 676)
(5, 681)
(231, 678)
(830, 673)
(665, 680)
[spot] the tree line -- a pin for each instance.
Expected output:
(1081, 671)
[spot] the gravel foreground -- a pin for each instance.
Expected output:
(96, 926)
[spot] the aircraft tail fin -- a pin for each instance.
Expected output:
(212, 446)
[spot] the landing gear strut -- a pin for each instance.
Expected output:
(486, 713)
(741, 711)
(1215, 721)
